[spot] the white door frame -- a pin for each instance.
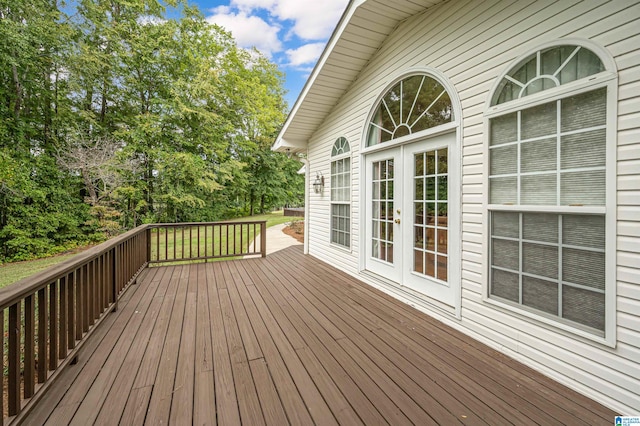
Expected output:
(401, 271)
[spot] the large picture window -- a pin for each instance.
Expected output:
(341, 193)
(548, 190)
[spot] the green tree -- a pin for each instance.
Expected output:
(116, 115)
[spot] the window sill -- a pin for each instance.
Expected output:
(552, 323)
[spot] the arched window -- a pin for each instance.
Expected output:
(547, 69)
(341, 193)
(548, 188)
(416, 103)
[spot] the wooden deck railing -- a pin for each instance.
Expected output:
(180, 242)
(46, 318)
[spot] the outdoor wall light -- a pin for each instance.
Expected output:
(318, 184)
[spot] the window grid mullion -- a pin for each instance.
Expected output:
(560, 248)
(518, 154)
(520, 257)
(401, 97)
(558, 148)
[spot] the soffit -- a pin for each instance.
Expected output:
(362, 30)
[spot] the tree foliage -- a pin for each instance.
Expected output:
(114, 115)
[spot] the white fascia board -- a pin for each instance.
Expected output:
(282, 145)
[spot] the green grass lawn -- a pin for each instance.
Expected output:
(12, 272)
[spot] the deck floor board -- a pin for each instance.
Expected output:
(291, 340)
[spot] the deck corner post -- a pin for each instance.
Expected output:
(263, 238)
(148, 236)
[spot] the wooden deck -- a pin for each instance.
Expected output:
(291, 340)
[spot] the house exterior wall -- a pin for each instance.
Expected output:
(472, 43)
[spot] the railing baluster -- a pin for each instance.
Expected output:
(42, 335)
(14, 359)
(29, 348)
(147, 237)
(53, 325)
(71, 319)
(2, 365)
(114, 294)
(82, 276)
(100, 288)
(91, 294)
(98, 292)
(263, 239)
(62, 331)
(85, 299)
(107, 283)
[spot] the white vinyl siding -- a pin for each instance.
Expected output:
(472, 43)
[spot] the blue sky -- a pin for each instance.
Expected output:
(292, 33)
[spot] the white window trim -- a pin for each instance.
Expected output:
(608, 79)
(342, 156)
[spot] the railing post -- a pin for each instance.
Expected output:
(148, 235)
(263, 239)
(14, 359)
(114, 281)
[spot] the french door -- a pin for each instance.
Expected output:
(409, 207)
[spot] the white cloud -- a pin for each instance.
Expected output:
(247, 5)
(305, 54)
(272, 26)
(313, 20)
(248, 30)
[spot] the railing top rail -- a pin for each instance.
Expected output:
(228, 222)
(29, 285)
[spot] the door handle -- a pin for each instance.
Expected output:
(397, 221)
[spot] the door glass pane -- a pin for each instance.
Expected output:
(419, 165)
(418, 261)
(382, 210)
(430, 193)
(442, 161)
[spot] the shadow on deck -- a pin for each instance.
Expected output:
(288, 339)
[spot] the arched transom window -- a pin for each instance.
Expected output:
(547, 69)
(416, 103)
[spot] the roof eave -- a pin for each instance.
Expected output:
(280, 144)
